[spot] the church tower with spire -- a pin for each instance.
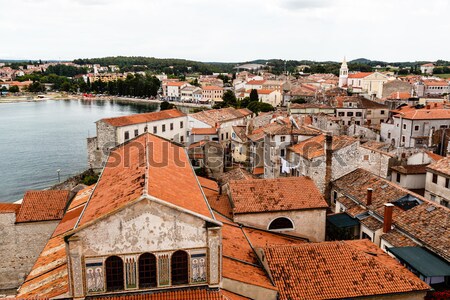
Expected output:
(343, 74)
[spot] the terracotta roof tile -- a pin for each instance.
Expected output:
(315, 146)
(144, 118)
(372, 223)
(183, 294)
(235, 174)
(410, 169)
(245, 111)
(81, 197)
(425, 114)
(43, 206)
(123, 180)
(213, 117)
(441, 166)
(360, 75)
(204, 131)
(258, 171)
(220, 204)
(212, 88)
(311, 271)
(9, 208)
(396, 239)
(263, 195)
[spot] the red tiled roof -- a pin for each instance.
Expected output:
(256, 82)
(410, 169)
(258, 171)
(212, 88)
(441, 166)
(125, 178)
(435, 82)
(281, 194)
(184, 294)
(213, 117)
(360, 75)
(144, 118)
(176, 83)
(43, 206)
(245, 111)
(204, 131)
(220, 204)
(425, 114)
(336, 270)
(315, 146)
(9, 208)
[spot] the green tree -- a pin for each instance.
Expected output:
(165, 105)
(298, 100)
(13, 89)
(257, 107)
(36, 87)
(254, 95)
(66, 86)
(229, 98)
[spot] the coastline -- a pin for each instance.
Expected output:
(62, 96)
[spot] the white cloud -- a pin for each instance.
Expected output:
(233, 30)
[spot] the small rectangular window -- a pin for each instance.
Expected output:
(447, 183)
(164, 128)
(350, 114)
(382, 112)
(398, 177)
(181, 124)
(282, 152)
(404, 126)
(155, 129)
(136, 132)
(416, 128)
(283, 139)
(435, 178)
(127, 135)
(171, 126)
(226, 135)
(182, 139)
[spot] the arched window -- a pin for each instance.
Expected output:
(147, 270)
(281, 224)
(179, 263)
(114, 274)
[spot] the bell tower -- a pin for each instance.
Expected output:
(343, 74)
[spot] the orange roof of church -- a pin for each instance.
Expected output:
(126, 178)
(144, 118)
(360, 75)
(42, 206)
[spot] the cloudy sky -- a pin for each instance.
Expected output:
(229, 30)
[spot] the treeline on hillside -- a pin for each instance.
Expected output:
(134, 85)
(167, 65)
(63, 70)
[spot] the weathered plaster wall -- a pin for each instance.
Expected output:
(145, 226)
(20, 245)
(309, 224)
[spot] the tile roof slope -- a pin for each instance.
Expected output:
(311, 271)
(425, 114)
(245, 111)
(144, 118)
(441, 166)
(9, 208)
(240, 262)
(315, 147)
(204, 131)
(220, 204)
(411, 169)
(49, 276)
(241, 132)
(81, 197)
(287, 129)
(214, 116)
(356, 183)
(123, 180)
(281, 194)
(360, 74)
(184, 294)
(43, 206)
(430, 224)
(235, 174)
(397, 239)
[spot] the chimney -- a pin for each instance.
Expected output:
(369, 196)
(428, 106)
(387, 222)
(435, 104)
(328, 167)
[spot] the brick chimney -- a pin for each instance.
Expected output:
(369, 196)
(328, 166)
(387, 222)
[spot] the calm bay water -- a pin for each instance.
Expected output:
(38, 138)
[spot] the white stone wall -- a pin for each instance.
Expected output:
(375, 162)
(437, 189)
(309, 224)
(20, 246)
